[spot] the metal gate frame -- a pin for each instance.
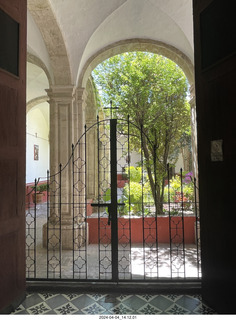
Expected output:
(77, 202)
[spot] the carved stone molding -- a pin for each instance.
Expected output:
(44, 17)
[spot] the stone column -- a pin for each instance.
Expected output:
(80, 105)
(61, 125)
(80, 161)
(92, 146)
(66, 125)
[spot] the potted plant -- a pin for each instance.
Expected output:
(38, 195)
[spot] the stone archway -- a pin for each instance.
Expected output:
(138, 45)
(38, 62)
(45, 20)
(157, 47)
(42, 98)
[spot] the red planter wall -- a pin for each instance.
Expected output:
(120, 181)
(28, 192)
(144, 229)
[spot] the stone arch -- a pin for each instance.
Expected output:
(138, 45)
(37, 111)
(91, 100)
(38, 62)
(34, 102)
(153, 46)
(45, 20)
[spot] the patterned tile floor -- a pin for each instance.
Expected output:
(112, 304)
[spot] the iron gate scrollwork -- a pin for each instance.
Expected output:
(99, 223)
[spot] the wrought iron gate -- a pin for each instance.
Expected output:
(100, 222)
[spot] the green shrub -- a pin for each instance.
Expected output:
(41, 187)
(136, 195)
(174, 190)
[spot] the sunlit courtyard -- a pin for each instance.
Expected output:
(94, 261)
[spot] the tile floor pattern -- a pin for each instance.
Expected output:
(107, 304)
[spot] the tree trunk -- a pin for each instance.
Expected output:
(155, 187)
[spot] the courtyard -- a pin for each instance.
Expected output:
(136, 261)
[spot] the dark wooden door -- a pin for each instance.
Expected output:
(215, 72)
(12, 151)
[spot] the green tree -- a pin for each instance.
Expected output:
(152, 91)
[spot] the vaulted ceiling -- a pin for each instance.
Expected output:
(65, 34)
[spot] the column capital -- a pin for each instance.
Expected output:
(61, 93)
(81, 94)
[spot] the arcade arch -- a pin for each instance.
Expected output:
(152, 46)
(37, 119)
(70, 106)
(129, 45)
(74, 98)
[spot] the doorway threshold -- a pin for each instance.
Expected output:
(192, 286)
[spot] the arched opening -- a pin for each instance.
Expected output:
(67, 228)
(195, 228)
(37, 152)
(140, 85)
(130, 45)
(37, 124)
(148, 45)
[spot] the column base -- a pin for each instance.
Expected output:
(71, 238)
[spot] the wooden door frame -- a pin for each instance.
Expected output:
(215, 69)
(12, 157)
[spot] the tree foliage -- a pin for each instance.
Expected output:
(152, 91)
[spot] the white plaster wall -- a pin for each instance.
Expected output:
(135, 157)
(37, 123)
(179, 164)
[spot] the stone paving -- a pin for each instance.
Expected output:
(131, 259)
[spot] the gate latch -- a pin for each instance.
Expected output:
(108, 205)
